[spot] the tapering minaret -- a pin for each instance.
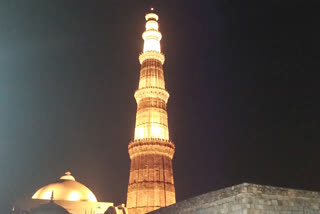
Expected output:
(151, 183)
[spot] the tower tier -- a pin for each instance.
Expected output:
(151, 184)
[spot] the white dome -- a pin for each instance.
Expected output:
(67, 189)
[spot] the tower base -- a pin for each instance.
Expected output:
(151, 183)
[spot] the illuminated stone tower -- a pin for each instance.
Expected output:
(151, 177)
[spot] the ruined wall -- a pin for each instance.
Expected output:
(249, 199)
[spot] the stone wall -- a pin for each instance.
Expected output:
(249, 199)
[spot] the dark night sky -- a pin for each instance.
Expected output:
(242, 77)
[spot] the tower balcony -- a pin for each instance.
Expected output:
(149, 146)
(151, 55)
(151, 92)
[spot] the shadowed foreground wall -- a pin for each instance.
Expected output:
(249, 199)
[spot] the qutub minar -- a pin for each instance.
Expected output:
(151, 183)
(151, 187)
(151, 177)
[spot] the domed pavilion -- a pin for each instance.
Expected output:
(66, 189)
(65, 196)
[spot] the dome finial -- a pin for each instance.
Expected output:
(67, 176)
(152, 8)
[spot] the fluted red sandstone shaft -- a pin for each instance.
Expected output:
(151, 183)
